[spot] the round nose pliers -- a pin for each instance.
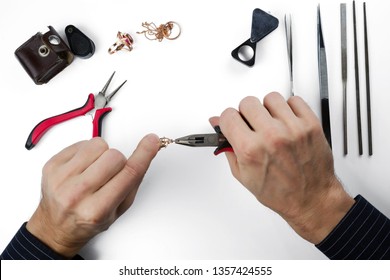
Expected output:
(96, 102)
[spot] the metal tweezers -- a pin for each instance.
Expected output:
(288, 31)
(323, 79)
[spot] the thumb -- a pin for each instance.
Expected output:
(121, 190)
(138, 163)
(136, 167)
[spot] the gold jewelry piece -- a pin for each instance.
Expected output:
(164, 142)
(124, 42)
(153, 32)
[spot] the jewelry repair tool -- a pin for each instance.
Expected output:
(207, 140)
(288, 32)
(323, 79)
(95, 103)
(344, 67)
(153, 32)
(262, 25)
(124, 42)
(359, 118)
(368, 91)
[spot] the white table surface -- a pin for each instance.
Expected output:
(189, 205)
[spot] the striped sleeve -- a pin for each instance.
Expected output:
(364, 233)
(25, 246)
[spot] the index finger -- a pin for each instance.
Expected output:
(231, 157)
(66, 154)
(234, 127)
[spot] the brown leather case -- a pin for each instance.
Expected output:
(44, 56)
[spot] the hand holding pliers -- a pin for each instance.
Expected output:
(96, 102)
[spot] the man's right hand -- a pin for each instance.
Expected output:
(281, 155)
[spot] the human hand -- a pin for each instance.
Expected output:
(281, 155)
(85, 188)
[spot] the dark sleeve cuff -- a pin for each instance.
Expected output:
(25, 246)
(364, 233)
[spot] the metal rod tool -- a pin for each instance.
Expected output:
(368, 91)
(344, 67)
(359, 118)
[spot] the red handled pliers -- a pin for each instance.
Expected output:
(96, 102)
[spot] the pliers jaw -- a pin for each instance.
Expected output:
(199, 140)
(101, 99)
(207, 140)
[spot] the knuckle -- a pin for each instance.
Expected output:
(313, 128)
(250, 152)
(97, 216)
(277, 139)
(134, 170)
(116, 156)
(274, 101)
(280, 143)
(99, 143)
(305, 133)
(271, 97)
(49, 167)
(80, 186)
(248, 100)
(295, 99)
(68, 202)
(228, 113)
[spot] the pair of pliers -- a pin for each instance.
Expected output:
(207, 140)
(96, 102)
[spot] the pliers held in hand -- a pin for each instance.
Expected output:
(207, 140)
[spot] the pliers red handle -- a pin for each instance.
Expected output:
(97, 102)
(207, 140)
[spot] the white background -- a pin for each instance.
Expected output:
(189, 205)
